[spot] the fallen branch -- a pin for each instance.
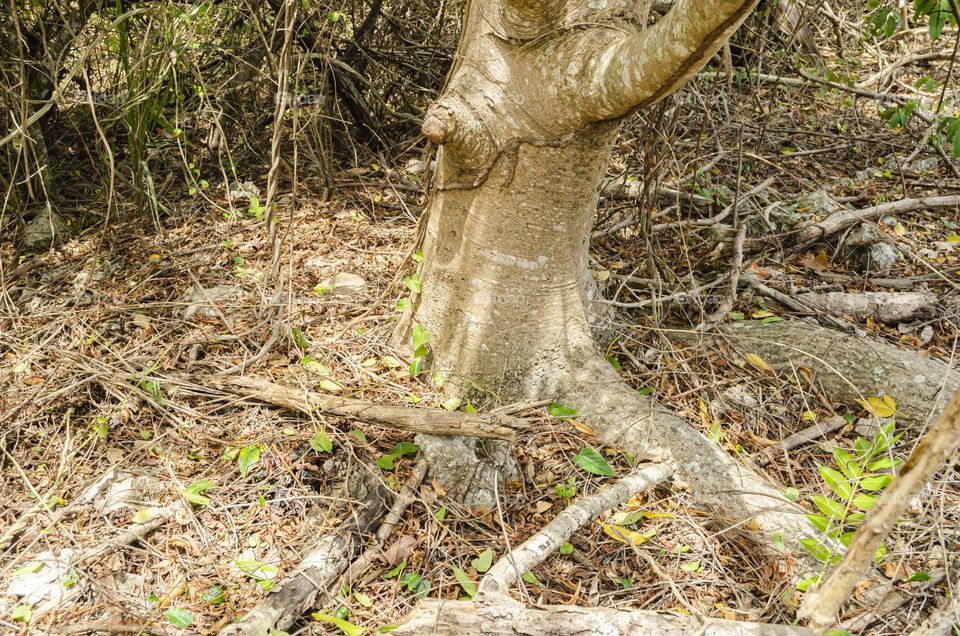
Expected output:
(502, 616)
(416, 420)
(622, 189)
(820, 608)
(887, 307)
(820, 429)
(296, 593)
(542, 544)
(848, 218)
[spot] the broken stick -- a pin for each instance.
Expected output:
(542, 544)
(415, 420)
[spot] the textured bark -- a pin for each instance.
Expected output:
(850, 367)
(525, 126)
(505, 617)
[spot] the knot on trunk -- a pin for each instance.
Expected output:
(530, 19)
(438, 124)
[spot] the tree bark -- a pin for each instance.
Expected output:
(851, 368)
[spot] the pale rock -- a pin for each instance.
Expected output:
(344, 283)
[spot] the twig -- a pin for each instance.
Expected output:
(538, 547)
(736, 267)
(943, 439)
(800, 438)
(403, 500)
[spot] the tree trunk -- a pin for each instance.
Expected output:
(525, 125)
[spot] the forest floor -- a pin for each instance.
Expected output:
(112, 421)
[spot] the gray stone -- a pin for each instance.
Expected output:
(867, 246)
(44, 230)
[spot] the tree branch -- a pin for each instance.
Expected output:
(649, 65)
(529, 19)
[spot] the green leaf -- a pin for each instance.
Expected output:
(877, 482)
(413, 282)
(420, 338)
(464, 580)
(819, 522)
(591, 461)
(452, 404)
(805, 584)
(864, 501)
(837, 482)
(403, 304)
(22, 613)
(829, 507)
(483, 561)
(817, 550)
(558, 410)
(918, 577)
(300, 339)
(566, 548)
(363, 599)
(320, 442)
(531, 578)
(385, 462)
(349, 629)
(778, 543)
(179, 617)
(441, 514)
(395, 571)
(791, 493)
(192, 492)
(248, 458)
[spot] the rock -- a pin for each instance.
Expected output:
(201, 301)
(41, 582)
(869, 249)
(44, 230)
(244, 190)
(344, 283)
(887, 307)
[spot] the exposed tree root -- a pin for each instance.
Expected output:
(624, 419)
(850, 367)
(502, 616)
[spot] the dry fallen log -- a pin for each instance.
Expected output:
(297, 592)
(502, 616)
(821, 607)
(848, 218)
(850, 367)
(542, 544)
(416, 420)
(887, 307)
